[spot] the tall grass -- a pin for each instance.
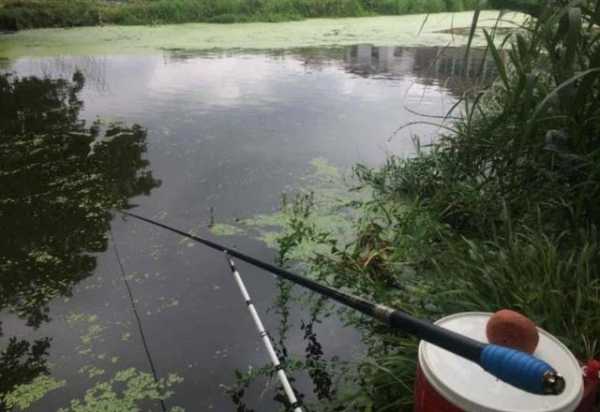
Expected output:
(516, 189)
(22, 14)
(503, 212)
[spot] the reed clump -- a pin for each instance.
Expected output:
(502, 212)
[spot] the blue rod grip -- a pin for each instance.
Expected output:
(517, 368)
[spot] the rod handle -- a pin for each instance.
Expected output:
(521, 370)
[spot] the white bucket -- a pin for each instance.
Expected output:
(467, 386)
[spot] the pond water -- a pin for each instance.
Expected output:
(189, 138)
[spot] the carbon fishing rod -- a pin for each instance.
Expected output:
(514, 367)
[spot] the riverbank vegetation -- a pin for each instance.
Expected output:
(24, 14)
(501, 212)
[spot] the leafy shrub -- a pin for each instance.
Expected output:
(23, 14)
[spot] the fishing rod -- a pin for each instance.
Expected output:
(287, 388)
(514, 367)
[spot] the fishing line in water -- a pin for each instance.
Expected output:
(136, 315)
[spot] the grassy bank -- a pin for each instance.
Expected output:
(23, 14)
(502, 212)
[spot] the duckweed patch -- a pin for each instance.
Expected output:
(23, 396)
(319, 209)
(93, 333)
(221, 229)
(166, 303)
(92, 327)
(124, 392)
(91, 371)
(378, 31)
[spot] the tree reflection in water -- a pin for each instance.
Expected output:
(58, 178)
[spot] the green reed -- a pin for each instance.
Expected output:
(502, 212)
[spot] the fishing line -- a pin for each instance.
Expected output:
(137, 316)
(516, 368)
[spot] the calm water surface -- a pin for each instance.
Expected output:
(176, 135)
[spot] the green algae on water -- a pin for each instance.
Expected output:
(92, 330)
(124, 392)
(91, 371)
(221, 229)
(379, 31)
(322, 201)
(323, 169)
(23, 396)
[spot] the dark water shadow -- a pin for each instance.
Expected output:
(59, 178)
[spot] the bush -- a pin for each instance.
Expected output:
(434, 6)
(22, 14)
(16, 15)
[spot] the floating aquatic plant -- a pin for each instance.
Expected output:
(23, 396)
(124, 393)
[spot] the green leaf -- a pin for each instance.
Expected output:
(472, 33)
(573, 32)
(542, 105)
(497, 59)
